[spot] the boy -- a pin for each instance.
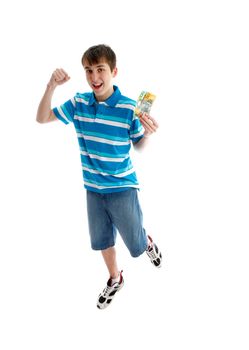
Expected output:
(106, 126)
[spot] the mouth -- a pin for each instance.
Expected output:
(97, 87)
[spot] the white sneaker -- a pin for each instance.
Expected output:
(105, 298)
(154, 253)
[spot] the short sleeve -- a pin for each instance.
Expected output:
(136, 129)
(66, 111)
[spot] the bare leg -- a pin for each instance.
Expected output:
(109, 256)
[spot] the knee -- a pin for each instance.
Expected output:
(137, 253)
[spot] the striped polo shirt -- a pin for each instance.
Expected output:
(105, 132)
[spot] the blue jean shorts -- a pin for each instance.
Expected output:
(112, 212)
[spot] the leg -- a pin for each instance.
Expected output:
(103, 235)
(109, 256)
(114, 283)
(126, 214)
(102, 231)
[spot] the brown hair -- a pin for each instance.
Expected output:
(98, 52)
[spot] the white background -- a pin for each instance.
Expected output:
(194, 56)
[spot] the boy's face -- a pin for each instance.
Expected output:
(99, 77)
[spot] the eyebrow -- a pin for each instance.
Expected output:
(98, 66)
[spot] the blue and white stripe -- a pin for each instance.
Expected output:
(105, 133)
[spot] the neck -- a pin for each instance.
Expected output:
(105, 96)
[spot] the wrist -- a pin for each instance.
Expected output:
(50, 87)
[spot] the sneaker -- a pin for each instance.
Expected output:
(153, 253)
(106, 297)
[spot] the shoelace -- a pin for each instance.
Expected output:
(106, 291)
(152, 253)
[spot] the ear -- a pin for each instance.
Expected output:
(115, 72)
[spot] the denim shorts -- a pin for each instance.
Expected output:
(112, 212)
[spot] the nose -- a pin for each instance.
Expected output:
(94, 76)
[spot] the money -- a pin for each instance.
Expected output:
(144, 103)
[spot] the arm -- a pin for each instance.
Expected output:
(44, 111)
(150, 126)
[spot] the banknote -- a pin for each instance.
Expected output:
(144, 102)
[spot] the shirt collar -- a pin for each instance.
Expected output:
(110, 101)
